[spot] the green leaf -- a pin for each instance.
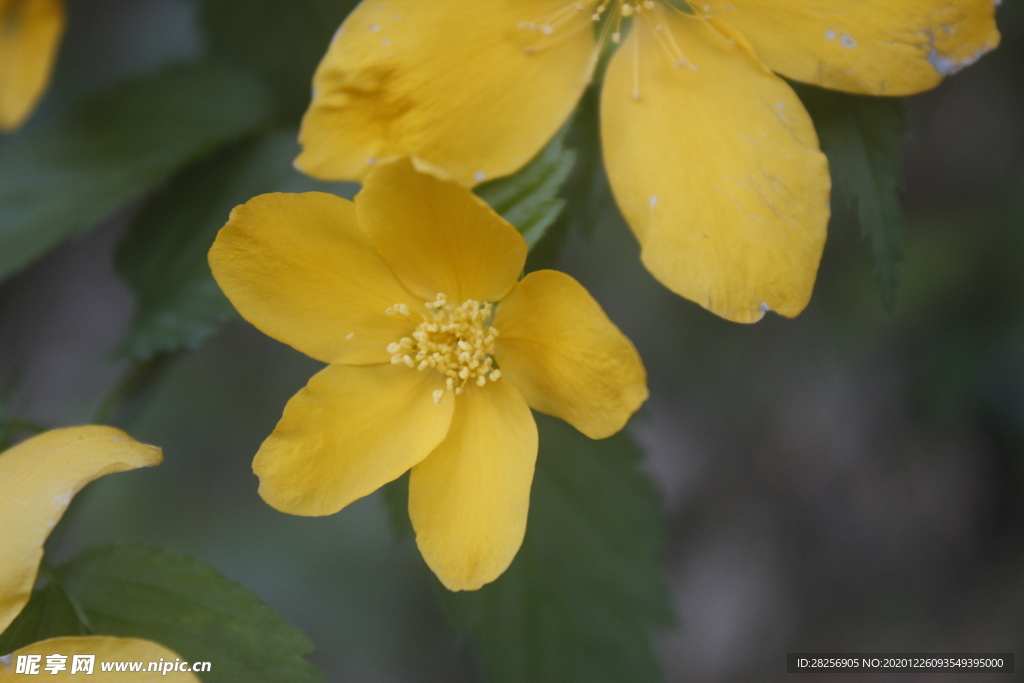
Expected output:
(529, 198)
(861, 136)
(132, 591)
(587, 191)
(48, 614)
(65, 174)
(282, 41)
(163, 256)
(587, 588)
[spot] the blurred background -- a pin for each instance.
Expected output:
(850, 480)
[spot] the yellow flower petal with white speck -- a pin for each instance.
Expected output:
(724, 185)
(437, 237)
(468, 501)
(449, 82)
(566, 357)
(717, 169)
(347, 433)
(38, 479)
(874, 47)
(298, 267)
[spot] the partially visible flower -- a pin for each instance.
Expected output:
(38, 479)
(436, 356)
(30, 32)
(711, 156)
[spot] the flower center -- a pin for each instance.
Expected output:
(454, 340)
(610, 16)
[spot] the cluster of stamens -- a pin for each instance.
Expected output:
(454, 340)
(610, 14)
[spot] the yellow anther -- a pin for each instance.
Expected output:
(612, 15)
(454, 340)
(399, 309)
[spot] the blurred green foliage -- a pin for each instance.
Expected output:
(281, 41)
(65, 174)
(139, 592)
(163, 256)
(188, 142)
(50, 613)
(862, 137)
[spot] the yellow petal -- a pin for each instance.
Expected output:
(874, 47)
(297, 267)
(454, 83)
(30, 32)
(38, 479)
(716, 167)
(347, 433)
(106, 649)
(560, 350)
(469, 500)
(437, 236)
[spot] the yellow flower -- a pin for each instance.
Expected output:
(436, 355)
(711, 156)
(38, 479)
(30, 31)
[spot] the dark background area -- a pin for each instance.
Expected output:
(847, 481)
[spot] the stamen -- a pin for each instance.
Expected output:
(607, 29)
(666, 38)
(569, 20)
(636, 70)
(552, 26)
(399, 309)
(455, 341)
(554, 23)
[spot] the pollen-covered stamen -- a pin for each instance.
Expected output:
(656, 20)
(611, 16)
(550, 24)
(454, 340)
(557, 26)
